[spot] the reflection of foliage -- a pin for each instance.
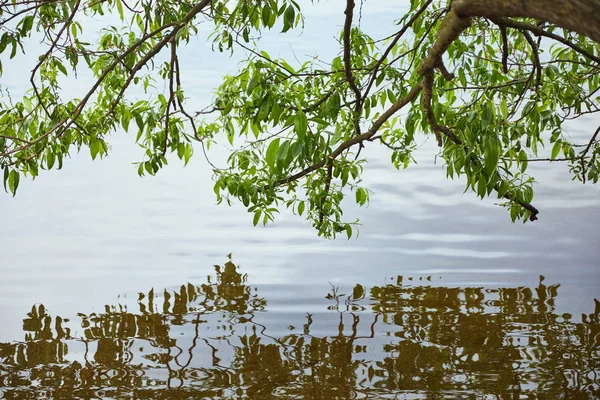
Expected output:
(207, 342)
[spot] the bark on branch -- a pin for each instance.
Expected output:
(536, 30)
(581, 16)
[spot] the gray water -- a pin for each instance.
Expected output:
(85, 241)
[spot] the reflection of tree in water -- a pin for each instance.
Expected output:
(207, 342)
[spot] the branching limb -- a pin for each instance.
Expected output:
(585, 151)
(537, 65)
(47, 54)
(386, 144)
(452, 27)
(171, 100)
(426, 102)
(154, 51)
(410, 96)
(504, 47)
(328, 178)
(445, 73)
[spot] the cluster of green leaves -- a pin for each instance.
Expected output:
(296, 131)
(507, 118)
(290, 119)
(39, 131)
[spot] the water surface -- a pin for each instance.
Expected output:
(225, 338)
(109, 287)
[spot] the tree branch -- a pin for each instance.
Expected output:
(537, 65)
(567, 14)
(393, 43)
(536, 30)
(451, 28)
(504, 47)
(585, 151)
(410, 96)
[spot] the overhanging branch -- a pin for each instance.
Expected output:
(536, 30)
(567, 14)
(410, 96)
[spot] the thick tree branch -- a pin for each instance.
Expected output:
(426, 100)
(568, 14)
(536, 30)
(450, 29)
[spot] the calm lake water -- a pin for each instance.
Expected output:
(115, 286)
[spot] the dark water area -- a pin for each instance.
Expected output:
(407, 338)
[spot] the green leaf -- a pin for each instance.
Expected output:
(486, 116)
(301, 206)
(187, 153)
(361, 196)
(556, 149)
(461, 77)
(379, 79)
(265, 107)
(300, 125)
(50, 158)
(94, 147)
(523, 160)
(13, 181)
(61, 67)
(271, 155)
(120, 9)
(282, 153)
(504, 109)
(27, 23)
(230, 131)
(266, 15)
(256, 217)
(288, 18)
(6, 175)
(297, 149)
(252, 84)
(492, 155)
(481, 186)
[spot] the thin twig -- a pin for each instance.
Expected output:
(347, 65)
(504, 48)
(585, 151)
(397, 37)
